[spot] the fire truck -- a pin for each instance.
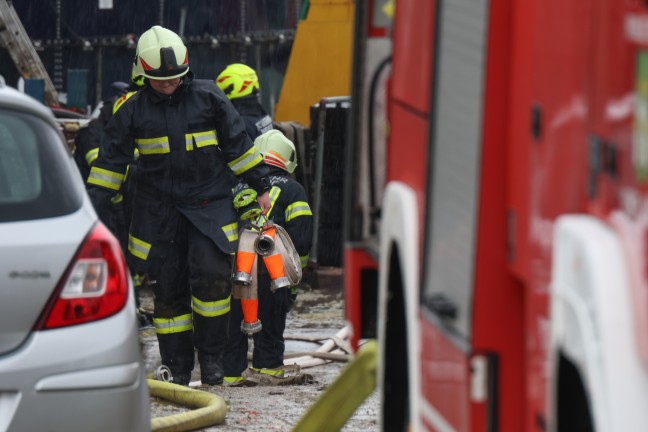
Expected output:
(496, 212)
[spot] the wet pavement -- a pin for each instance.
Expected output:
(318, 314)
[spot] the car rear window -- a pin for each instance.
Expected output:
(36, 175)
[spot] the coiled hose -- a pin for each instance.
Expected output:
(208, 409)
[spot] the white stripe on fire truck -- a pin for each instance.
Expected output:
(435, 418)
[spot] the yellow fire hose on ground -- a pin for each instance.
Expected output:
(208, 409)
(355, 383)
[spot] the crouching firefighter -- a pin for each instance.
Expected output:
(184, 229)
(289, 210)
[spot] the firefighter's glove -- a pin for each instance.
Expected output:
(245, 202)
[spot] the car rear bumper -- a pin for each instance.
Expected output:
(80, 378)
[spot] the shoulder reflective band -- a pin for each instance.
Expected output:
(119, 102)
(298, 208)
(246, 161)
(303, 260)
(231, 231)
(202, 139)
(103, 177)
(274, 194)
(177, 324)
(212, 308)
(91, 155)
(153, 145)
(138, 248)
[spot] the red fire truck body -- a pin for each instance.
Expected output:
(500, 258)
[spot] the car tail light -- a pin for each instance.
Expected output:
(94, 286)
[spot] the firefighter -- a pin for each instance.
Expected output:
(183, 230)
(86, 150)
(86, 142)
(241, 85)
(290, 210)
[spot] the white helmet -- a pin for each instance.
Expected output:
(277, 150)
(160, 55)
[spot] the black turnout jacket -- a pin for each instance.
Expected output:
(187, 142)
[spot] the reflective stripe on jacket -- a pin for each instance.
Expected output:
(187, 143)
(290, 210)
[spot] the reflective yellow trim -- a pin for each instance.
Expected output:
(91, 155)
(298, 208)
(231, 231)
(246, 161)
(272, 372)
(158, 145)
(119, 102)
(103, 177)
(232, 379)
(117, 199)
(177, 324)
(202, 139)
(303, 260)
(138, 248)
(211, 309)
(273, 194)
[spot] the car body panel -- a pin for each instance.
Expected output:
(35, 254)
(82, 377)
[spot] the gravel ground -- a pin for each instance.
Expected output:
(318, 313)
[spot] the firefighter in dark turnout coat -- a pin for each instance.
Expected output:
(241, 85)
(289, 209)
(184, 228)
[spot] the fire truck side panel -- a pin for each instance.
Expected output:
(360, 294)
(519, 124)
(557, 147)
(437, 369)
(498, 303)
(591, 327)
(414, 29)
(513, 238)
(410, 93)
(445, 379)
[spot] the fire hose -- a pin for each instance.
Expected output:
(273, 245)
(208, 409)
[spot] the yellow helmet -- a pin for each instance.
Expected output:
(238, 80)
(137, 75)
(277, 150)
(160, 55)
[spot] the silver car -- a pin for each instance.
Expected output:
(70, 358)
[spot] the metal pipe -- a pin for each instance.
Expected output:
(183, 21)
(99, 75)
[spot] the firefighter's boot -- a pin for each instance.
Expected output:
(211, 369)
(177, 353)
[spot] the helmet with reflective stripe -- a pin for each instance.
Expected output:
(277, 150)
(137, 75)
(238, 80)
(160, 55)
